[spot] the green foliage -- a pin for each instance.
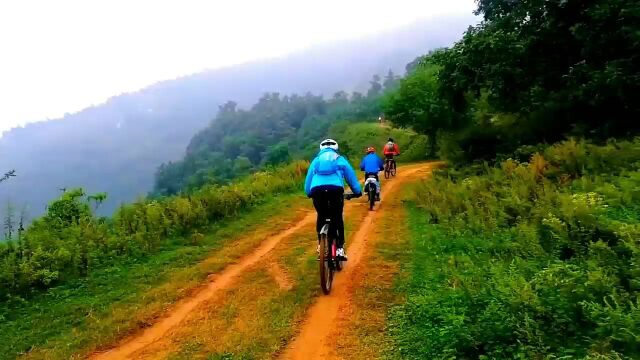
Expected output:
(548, 60)
(274, 131)
(417, 104)
(534, 259)
(69, 241)
(531, 72)
(356, 137)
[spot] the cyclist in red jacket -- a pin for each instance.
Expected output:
(391, 149)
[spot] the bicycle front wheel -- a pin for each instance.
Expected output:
(372, 198)
(326, 270)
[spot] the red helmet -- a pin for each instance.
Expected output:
(370, 150)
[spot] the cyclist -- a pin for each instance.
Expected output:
(371, 164)
(325, 185)
(391, 149)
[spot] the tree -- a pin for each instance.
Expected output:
(98, 199)
(22, 248)
(242, 166)
(9, 221)
(564, 65)
(277, 154)
(340, 98)
(417, 104)
(390, 81)
(376, 88)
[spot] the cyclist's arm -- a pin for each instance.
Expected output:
(396, 148)
(307, 181)
(350, 176)
(380, 163)
(362, 165)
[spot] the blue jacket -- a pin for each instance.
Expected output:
(345, 171)
(371, 163)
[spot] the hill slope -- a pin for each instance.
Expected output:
(117, 146)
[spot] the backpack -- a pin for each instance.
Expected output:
(327, 163)
(390, 146)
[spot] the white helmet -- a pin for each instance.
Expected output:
(329, 143)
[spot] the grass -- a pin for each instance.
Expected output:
(256, 317)
(110, 303)
(363, 334)
(356, 137)
(532, 260)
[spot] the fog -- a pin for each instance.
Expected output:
(116, 147)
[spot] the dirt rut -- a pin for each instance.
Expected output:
(313, 340)
(217, 282)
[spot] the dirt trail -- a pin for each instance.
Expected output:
(313, 341)
(280, 275)
(217, 282)
(318, 322)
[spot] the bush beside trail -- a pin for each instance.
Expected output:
(531, 260)
(69, 241)
(354, 138)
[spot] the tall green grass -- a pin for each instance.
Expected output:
(529, 260)
(354, 138)
(69, 242)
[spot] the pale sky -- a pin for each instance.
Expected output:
(60, 56)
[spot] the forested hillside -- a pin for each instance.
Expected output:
(527, 247)
(273, 131)
(116, 147)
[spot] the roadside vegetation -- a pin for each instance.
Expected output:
(526, 260)
(95, 311)
(527, 246)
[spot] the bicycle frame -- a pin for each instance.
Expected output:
(329, 262)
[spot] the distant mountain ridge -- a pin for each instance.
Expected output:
(117, 146)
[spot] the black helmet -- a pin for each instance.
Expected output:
(391, 139)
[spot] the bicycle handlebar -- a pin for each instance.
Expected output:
(349, 196)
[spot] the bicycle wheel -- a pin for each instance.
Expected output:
(393, 168)
(326, 270)
(387, 171)
(372, 197)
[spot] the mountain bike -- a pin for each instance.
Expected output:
(389, 168)
(329, 262)
(371, 188)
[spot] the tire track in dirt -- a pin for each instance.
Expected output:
(279, 274)
(217, 282)
(313, 340)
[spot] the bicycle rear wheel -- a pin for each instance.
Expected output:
(326, 270)
(372, 197)
(387, 170)
(393, 168)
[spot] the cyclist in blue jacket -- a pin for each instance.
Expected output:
(325, 185)
(371, 164)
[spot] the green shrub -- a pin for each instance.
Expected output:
(529, 259)
(69, 241)
(354, 138)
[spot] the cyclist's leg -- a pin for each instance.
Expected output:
(320, 204)
(337, 222)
